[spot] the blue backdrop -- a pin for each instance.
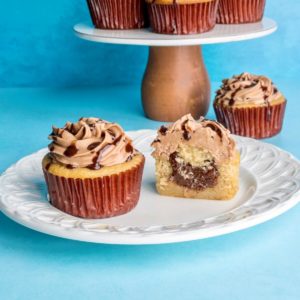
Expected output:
(38, 48)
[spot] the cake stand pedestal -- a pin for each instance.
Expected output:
(176, 81)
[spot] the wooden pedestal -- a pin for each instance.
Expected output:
(175, 83)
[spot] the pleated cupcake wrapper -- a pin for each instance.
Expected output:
(101, 197)
(183, 18)
(256, 122)
(240, 11)
(117, 14)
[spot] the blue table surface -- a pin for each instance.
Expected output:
(258, 263)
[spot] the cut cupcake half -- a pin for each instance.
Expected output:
(196, 159)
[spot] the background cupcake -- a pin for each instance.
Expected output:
(182, 16)
(92, 170)
(240, 11)
(250, 105)
(117, 14)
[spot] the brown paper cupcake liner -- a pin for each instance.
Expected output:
(254, 122)
(240, 11)
(183, 19)
(101, 197)
(117, 14)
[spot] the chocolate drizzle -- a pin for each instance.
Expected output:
(129, 148)
(163, 130)
(186, 134)
(117, 140)
(71, 151)
(216, 129)
(93, 146)
(197, 178)
(231, 102)
(235, 92)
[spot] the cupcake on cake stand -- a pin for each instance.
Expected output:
(176, 81)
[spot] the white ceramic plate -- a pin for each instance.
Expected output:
(270, 185)
(220, 34)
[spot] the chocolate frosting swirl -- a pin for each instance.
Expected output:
(247, 89)
(92, 143)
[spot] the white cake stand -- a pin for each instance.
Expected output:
(176, 81)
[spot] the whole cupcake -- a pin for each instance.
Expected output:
(250, 105)
(92, 169)
(182, 16)
(240, 11)
(117, 14)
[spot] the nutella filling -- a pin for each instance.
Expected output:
(197, 178)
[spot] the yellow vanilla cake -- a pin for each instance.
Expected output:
(196, 159)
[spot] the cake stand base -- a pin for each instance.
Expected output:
(175, 83)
